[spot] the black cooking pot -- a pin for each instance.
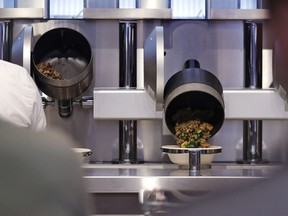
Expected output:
(193, 94)
(70, 54)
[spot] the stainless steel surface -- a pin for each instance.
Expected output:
(254, 104)
(128, 79)
(22, 47)
(87, 102)
(115, 103)
(128, 54)
(252, 131)
(46, 100)
(22, 13)
(253, 54)
(208, 8)
(154, 65)
(194, 162)
(252, 141)
(148, 188)
(113, 178)
(30, 3)
(148, 102)
(4, 40)
(239, 14)
(267, 75)
(127, 141)
(279, 71)
(123, 13)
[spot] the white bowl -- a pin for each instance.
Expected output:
(180, 156)
(82, 153)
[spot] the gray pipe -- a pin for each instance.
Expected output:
(252, 129)
(127, 79)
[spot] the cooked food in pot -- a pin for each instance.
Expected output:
(47, 70)
(193, 134)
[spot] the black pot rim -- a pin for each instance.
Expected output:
(192, 75)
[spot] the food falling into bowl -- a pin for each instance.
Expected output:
(193, 134)
(47, 70)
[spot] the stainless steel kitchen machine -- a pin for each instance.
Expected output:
(126, 80)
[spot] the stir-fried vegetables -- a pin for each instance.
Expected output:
(193, 134)
(47, 70)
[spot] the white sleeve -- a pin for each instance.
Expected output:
(21, 103)
(38, 118)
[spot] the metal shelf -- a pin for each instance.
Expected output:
(118, 13)
(138, 13)
(239, 14)
(118, 178)
(258, 104)
(21, 13)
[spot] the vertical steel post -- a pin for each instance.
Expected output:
(252, 129)
(4, 41)
(127, 79)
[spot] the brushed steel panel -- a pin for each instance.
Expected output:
(126, 13)
(22, 47)
(124, 104)
(240, 14)
(21, 13)
(254, 104)
(154, 65)
(107, 178)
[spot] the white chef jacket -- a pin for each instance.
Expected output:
(21, 102)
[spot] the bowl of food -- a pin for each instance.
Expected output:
(180, 156)
(192, 135)
(83, 154)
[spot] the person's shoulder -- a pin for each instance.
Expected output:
(13, 69)
(11, 65)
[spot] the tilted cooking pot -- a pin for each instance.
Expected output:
(193, 94)
(69, 53)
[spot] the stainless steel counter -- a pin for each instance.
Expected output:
(153, 188)
(122, 178)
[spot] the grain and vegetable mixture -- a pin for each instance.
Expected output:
(193, 134)
(47, 70)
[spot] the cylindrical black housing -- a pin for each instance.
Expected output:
(65, 108)
(193, 94)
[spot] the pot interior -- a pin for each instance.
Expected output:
(66, 50)
(194, 105)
